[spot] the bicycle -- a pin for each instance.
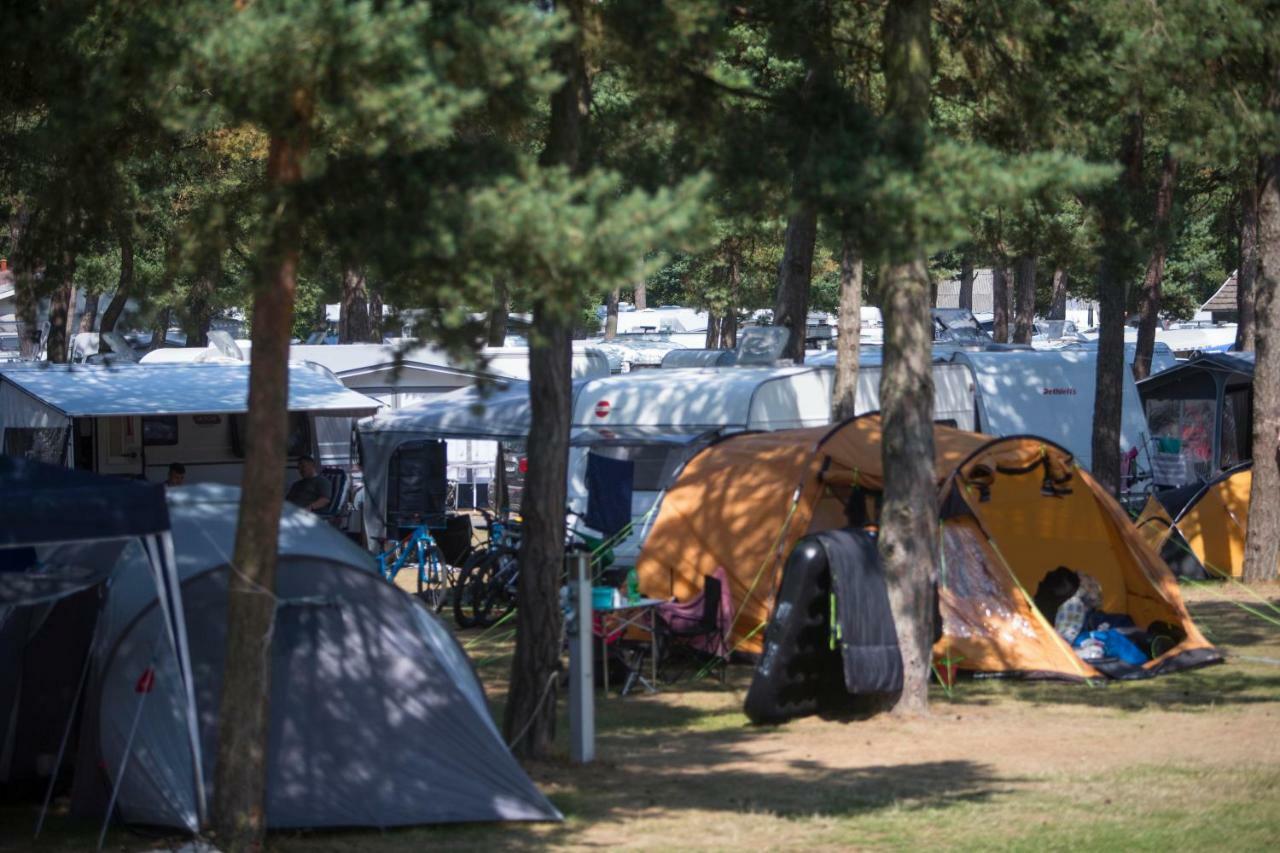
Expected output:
(436, 578)
(486, 588)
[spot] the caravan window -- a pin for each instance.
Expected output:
(159, 430)
(654, 465)
(299, 441)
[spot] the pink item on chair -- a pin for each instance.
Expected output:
(686, 615)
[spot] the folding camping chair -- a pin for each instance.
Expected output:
(338, 511)
(695, 632)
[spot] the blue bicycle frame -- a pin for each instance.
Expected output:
(421, 546)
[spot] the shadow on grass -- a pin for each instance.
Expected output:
(1203, 689)
(1227, 623)
(688, 774)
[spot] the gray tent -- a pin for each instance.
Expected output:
(67, 538)
(377, 718)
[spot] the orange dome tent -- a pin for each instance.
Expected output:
(1200, 530)
(744, 502)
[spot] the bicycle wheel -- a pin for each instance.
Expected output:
(502, 589)
(471, 595)
(433, 577)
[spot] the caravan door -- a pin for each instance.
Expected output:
(119, 446)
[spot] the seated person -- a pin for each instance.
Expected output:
(1070, 618)
(312, 491)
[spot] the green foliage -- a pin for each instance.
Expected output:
(150, 122)
(575, 239)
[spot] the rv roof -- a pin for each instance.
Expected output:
(91, 390)
(686, 398)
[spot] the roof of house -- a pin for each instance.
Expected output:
(949, 293)
(1225, 298)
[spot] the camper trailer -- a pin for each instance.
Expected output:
(398, 377)
(1050, 394)
(953, 387)
(651, 417)
(133, 420)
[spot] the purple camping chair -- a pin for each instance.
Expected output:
(695, 630)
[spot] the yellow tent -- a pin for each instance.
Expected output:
(1200, 530)
(744, 502)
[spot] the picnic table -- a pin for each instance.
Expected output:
(616, 620)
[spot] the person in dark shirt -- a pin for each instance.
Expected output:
(312, 491)
(177, 474)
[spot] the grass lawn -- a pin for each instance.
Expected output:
(1187, 761)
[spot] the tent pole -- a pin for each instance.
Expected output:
(128, 743)
(160, 550)
(66, 736)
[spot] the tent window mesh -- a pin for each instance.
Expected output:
(47, 445)
(417, 487)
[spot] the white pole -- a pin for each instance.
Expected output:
(582, 712)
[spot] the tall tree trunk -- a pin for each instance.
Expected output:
(198, 316)
(791, 307)
(966, 283)
(499, 310)
(844, 392)
(1109, 384)
(1000, 302)
(712, 340)
(729, 331)
(244, 711)
(611, 314)
(25, 298)
(1262, 546)
(641, 295)
(1149, 298)
(89, 318)
(729, 323)
(375, 318)
(124, 286)
(908, 520)
(26, 308)
(1024, 299)
(353, 309)
(62, 307)
(1247, 272)
(1058, 301)
(160, 330)
(529, 720)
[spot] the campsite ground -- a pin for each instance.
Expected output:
(1190, 760)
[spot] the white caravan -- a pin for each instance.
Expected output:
(953, 386)
(652, 418)
(133, 420)
(1049, 394)
(397, 376)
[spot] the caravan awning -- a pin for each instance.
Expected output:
(472, 413)
(32, 394)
